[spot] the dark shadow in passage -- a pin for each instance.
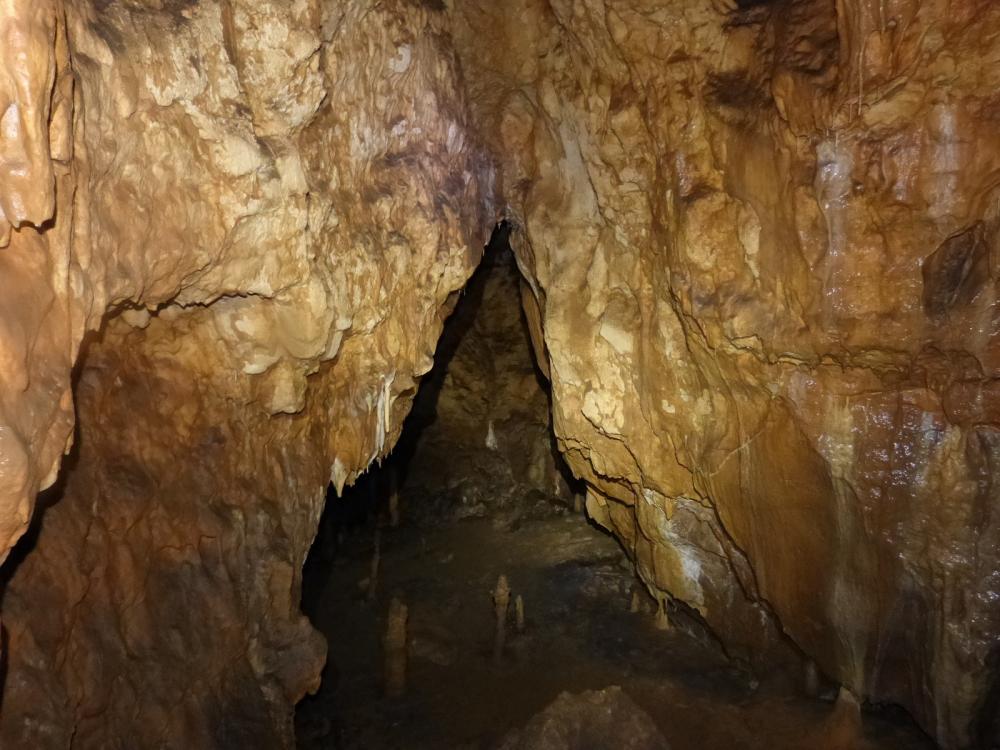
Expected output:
(362, 502)
(43, 502)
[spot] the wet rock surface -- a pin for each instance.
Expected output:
(579, 636)
(604, 718)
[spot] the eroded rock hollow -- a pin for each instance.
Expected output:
(479, 436)
(758, 243)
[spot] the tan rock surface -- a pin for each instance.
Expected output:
(37, 346)
(273, 203)
(762, 243)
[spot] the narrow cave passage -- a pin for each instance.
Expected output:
(475, 489)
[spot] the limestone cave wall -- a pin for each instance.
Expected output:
(762, 244)
(255, 215)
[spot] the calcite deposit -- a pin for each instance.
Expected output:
(261, 211)
(759, 243)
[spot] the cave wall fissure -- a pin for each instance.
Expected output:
(479, 439)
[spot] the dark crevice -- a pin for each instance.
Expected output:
(364, 504)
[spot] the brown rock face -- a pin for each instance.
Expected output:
(761, 237)
(599, 718)
(760, 243)
(268, 205)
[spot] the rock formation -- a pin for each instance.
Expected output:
(759, 241)
(597, 718)
(261, 213)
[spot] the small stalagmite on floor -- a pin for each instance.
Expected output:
(811, 678)
(519, 613)
(376, 561)
(662, 618)
(842, 729)
(501, 600)
(395, 649)
(394, 510)
(394, 502)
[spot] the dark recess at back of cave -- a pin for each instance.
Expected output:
(478, 438)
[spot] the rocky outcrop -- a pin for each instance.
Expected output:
(761, 238)
(597, 718)
(267, 209)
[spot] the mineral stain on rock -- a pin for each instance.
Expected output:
(957, 271)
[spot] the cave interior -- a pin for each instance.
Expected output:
(535, 375)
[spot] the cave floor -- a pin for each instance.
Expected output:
(579, 635)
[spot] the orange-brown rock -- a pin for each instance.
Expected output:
(762, 242)
(266, 210)
(38, 342)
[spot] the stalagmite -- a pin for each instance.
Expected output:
(376, 562)
(501, 600)
(519, 613)
(578, 503)
(662, 620)
(635, 601)
(395, 649)
(393, 502)
(811, 678)
(843, 730)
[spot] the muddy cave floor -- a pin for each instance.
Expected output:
(579, 635)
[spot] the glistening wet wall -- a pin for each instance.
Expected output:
(761, 240)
